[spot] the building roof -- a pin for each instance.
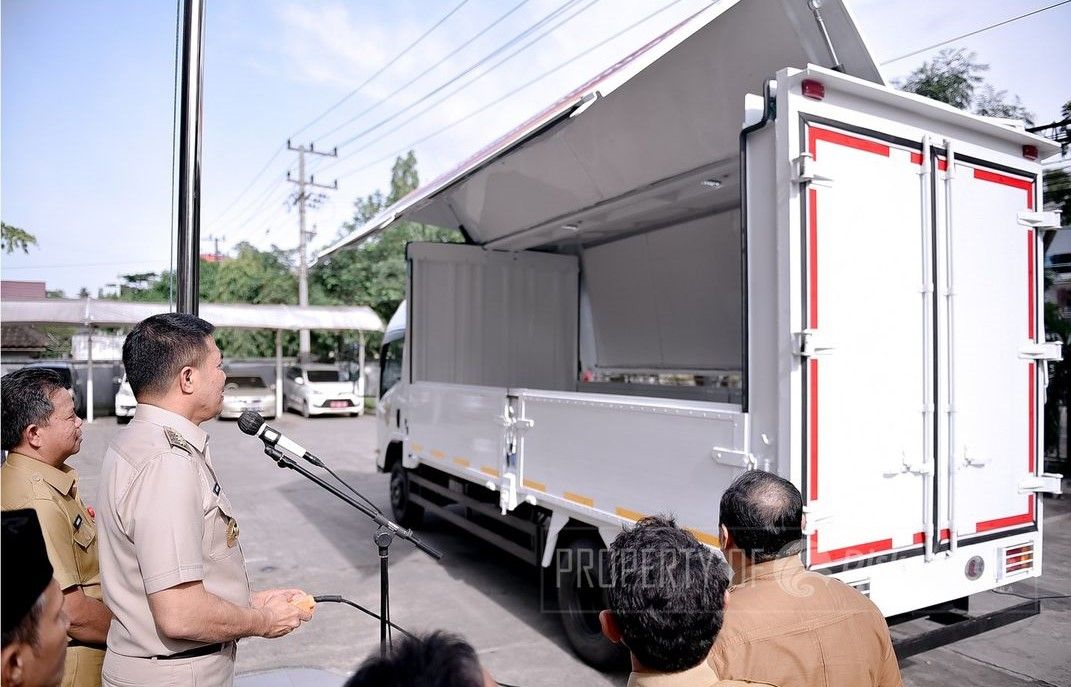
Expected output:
(108, 313)
(22, 290)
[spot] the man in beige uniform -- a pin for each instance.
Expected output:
(785, 624)
(174, 573)
(41, 430)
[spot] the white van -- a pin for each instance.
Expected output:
(721, 256)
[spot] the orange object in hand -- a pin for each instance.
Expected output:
(305, 602)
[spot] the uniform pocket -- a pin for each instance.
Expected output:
(85, 535)
(224, 540)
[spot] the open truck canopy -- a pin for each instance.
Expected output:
(578, 171)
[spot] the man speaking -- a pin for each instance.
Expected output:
(170, 557)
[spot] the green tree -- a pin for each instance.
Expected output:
(374, 273)
(13, 239)
(951, 77)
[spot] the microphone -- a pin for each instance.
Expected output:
(253, 424)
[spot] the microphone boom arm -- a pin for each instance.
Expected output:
(285, 461)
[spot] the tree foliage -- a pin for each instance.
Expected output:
(951, 77)
(13, 239)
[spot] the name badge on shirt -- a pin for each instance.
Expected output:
(215, 489)
(77, 521)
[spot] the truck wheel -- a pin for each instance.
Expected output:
(406, 513)
(581, 576)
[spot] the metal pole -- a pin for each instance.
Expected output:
(189, 193)
(305, 342)
(361, 385)
(89, 379)
(278, 373)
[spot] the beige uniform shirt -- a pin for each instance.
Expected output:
(787, 625)
(700, 676)
(164, 520)
(70, 538)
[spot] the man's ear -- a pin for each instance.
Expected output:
(610, 630)
(11, 664)
(725, 539)
(32, 436)
(186, 379)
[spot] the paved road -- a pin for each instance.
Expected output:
(294, 534)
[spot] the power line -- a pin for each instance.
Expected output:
(257, 176)
(500, 99)
(974, 33)
(546, 19)
(474, 80)
(381, 69)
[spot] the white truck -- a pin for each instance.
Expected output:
(736, 249)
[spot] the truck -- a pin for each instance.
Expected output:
(738, 248)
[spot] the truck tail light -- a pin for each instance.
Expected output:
(1017, 559)
(1030, 152)
(815, 90)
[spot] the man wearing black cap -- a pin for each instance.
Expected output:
(35, 626)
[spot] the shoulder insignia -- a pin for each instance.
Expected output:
(176, 440)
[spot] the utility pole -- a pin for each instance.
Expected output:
(215, 242)
(305, 349)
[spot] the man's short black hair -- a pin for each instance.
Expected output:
(764, 515)
(439, 659)
(158, 347)
(25, 632)
(25, 401)
(667, 594)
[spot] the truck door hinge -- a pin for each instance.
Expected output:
(1049, 350)
(733, 458)
(809, 171)
(907, 467)
(1040, 220)
(1045, 483)
(809, 344)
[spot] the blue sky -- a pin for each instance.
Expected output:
(86, 103)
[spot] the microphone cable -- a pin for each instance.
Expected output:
(338, 599)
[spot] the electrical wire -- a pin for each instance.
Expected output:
(382, 69)
(464, 44)
(974, 33)
(256, 177)
(500, 99)
(549, 17)
(535, 40)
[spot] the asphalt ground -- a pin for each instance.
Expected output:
(296, 535)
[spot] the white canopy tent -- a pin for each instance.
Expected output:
(93, 313)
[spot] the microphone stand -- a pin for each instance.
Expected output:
(383, 536)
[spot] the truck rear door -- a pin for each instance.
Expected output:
(918, 323)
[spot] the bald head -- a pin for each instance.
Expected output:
(763, 514)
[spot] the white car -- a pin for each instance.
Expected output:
(321, 389)
(125, 403)
(244, 392)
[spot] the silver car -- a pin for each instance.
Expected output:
(322, 389)
(247, 392)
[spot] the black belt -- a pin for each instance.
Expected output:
(71, 643)
(196, 651)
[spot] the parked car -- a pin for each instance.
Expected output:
(247, 392)
(322, 389)
(125, 403)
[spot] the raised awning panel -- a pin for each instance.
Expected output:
(672, 108)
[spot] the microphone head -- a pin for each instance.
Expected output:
(250, 422)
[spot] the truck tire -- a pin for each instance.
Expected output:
(580, 598)
(406, 513)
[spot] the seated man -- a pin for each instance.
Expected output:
(667, 596)
(436, 660)
(35, 626)
(786, 624)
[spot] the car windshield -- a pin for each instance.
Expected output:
(326, 376)
(236, 382)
